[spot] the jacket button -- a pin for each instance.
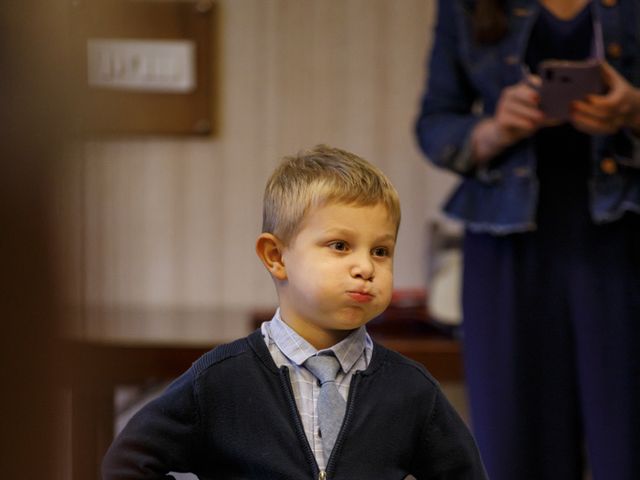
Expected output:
(521, 12)
(614, 50)
(522, 172)
(609, 3)
(609, 166)
(512, 59)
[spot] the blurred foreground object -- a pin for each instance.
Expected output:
(32, 133)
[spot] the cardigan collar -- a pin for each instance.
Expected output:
(259, 347)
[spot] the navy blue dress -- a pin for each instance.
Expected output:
(552, 317)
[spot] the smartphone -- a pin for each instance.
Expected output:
(564, 81)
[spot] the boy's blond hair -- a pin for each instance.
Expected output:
(317, 177)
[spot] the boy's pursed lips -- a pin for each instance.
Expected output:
(360, 296)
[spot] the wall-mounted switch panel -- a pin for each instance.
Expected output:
(163, 66)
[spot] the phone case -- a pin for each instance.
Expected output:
(566, 81)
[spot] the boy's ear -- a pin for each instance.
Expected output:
(269, 249)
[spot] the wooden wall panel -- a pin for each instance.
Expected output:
(133, 112)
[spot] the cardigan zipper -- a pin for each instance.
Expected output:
(345, 424)
(293, 410)
(286, 381)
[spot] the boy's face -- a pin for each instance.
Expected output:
(339, 271)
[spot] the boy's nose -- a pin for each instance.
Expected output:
(363, 268)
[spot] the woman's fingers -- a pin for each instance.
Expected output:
(596, 118)
(518, 107)
(606, 114)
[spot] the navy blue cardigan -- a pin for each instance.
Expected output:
(232, 415)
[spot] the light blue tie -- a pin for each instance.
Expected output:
(331, 406)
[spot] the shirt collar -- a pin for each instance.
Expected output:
(298, 350)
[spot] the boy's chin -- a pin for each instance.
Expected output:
(353, 320)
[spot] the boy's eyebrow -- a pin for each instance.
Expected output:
(348, 231)
(388, 236)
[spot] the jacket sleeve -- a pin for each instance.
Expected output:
(160, 438)
(447, 450)
(446, 120)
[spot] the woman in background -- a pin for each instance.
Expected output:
(551, 290)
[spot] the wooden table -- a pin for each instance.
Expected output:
(109, 357)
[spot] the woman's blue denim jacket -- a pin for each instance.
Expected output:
(465, 81)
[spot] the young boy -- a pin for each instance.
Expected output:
(262, 407)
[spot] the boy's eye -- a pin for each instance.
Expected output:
(380, 252)
(339, 245)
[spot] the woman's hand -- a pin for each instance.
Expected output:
(606, 114)
(517, 116)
